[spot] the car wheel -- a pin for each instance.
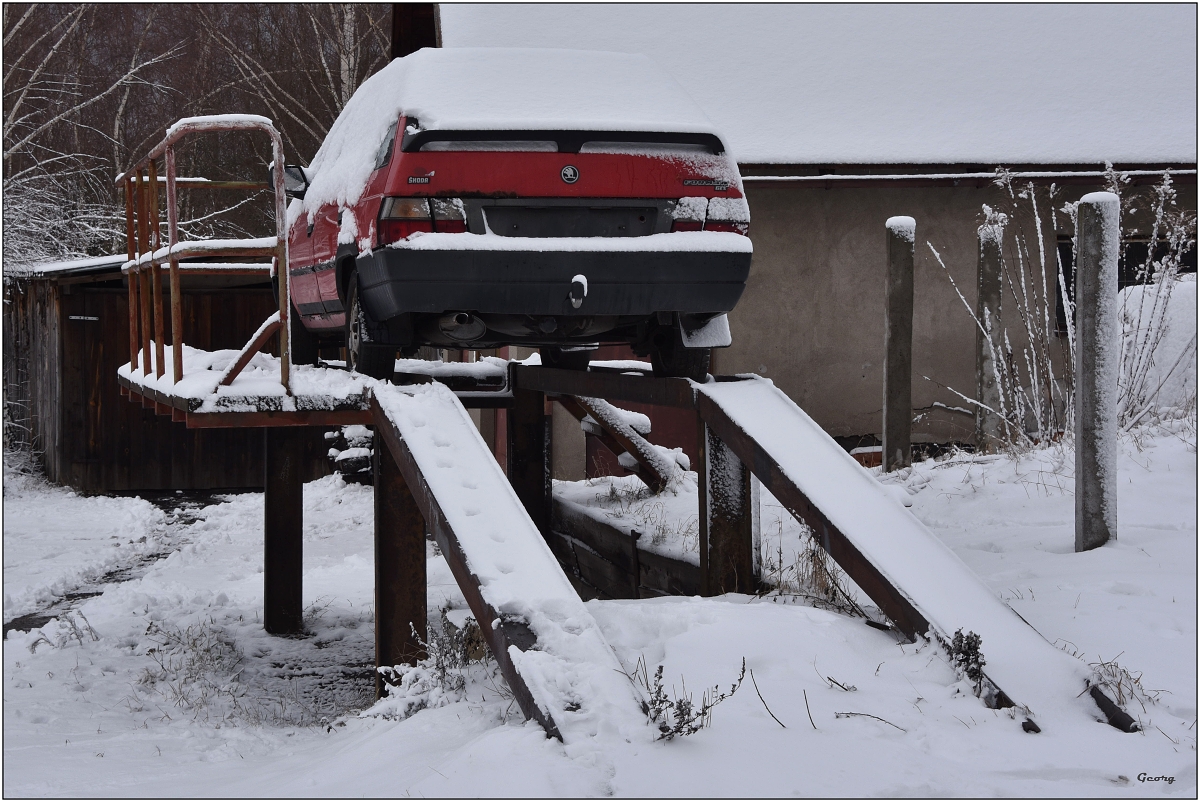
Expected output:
(369, 360)
(556, 357)
(673, 360)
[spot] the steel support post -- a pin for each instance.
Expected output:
(400, 580)
(154, 237)
(529, 457)
(283, 530)
(729, 520)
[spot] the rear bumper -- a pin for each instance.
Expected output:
(394, 281)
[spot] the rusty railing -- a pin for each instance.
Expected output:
(146, 254)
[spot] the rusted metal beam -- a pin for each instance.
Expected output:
(617, 442)
(609, 386)
(499, 638)
(198, 182)
(252, 348)
(160, 365)
(887, 597)
(283, 533)
(400, 578)
(143, 276)
(277, 419)
(529, 455)
(131, 282)
(198, 250)
(176, 289)
(729, 536)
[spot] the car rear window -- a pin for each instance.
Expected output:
(536, 146)
(643, 148)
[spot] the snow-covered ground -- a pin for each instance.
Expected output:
(166, 685)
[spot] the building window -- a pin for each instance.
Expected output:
(1131, 260)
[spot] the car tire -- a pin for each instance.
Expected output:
(370, 360)
(556, 357)
(672, 360)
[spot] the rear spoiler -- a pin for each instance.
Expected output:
(567, 141)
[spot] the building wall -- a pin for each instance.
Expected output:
(811, 318)
(32, 352)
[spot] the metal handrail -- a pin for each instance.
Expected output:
(143, 237)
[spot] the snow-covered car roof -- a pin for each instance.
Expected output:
(494, 89)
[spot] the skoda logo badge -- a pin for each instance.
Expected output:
(570, 174)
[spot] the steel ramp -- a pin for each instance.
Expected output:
(915, 579)
(552, 653)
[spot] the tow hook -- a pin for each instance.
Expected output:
(579, 288)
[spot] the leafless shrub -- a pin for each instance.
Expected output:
(680, 715)
(1035, 379)
(1123, 685)
(1144, 309)
(439, 679)
(811, 574)
(72, 626)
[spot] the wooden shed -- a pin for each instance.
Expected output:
(66, 331)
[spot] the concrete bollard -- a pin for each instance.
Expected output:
(1098, 236)
(897, 363)
(989, 426)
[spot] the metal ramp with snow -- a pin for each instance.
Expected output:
(914, 578)
(551, 651)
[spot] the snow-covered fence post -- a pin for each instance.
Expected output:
(989, 426)
(897, 363)
(283, 530)
(1098, 237)
(729, 519)
(400, 578)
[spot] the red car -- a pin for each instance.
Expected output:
(473, 198)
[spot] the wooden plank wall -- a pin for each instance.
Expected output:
(31, 375)
(96, 441)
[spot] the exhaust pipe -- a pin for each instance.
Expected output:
(461, 326)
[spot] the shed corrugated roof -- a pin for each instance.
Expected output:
(899, 84)
(71, 267)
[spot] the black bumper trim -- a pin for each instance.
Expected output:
(393, 281)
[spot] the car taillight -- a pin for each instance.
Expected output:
(402, 217)
(727, 225)
(688, 214)
(449, 215)
(728, 214)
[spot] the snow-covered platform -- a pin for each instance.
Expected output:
(328, 395)
(492, 525)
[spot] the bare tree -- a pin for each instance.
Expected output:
(89, 89)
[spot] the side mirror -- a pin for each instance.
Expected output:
(295, 180)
